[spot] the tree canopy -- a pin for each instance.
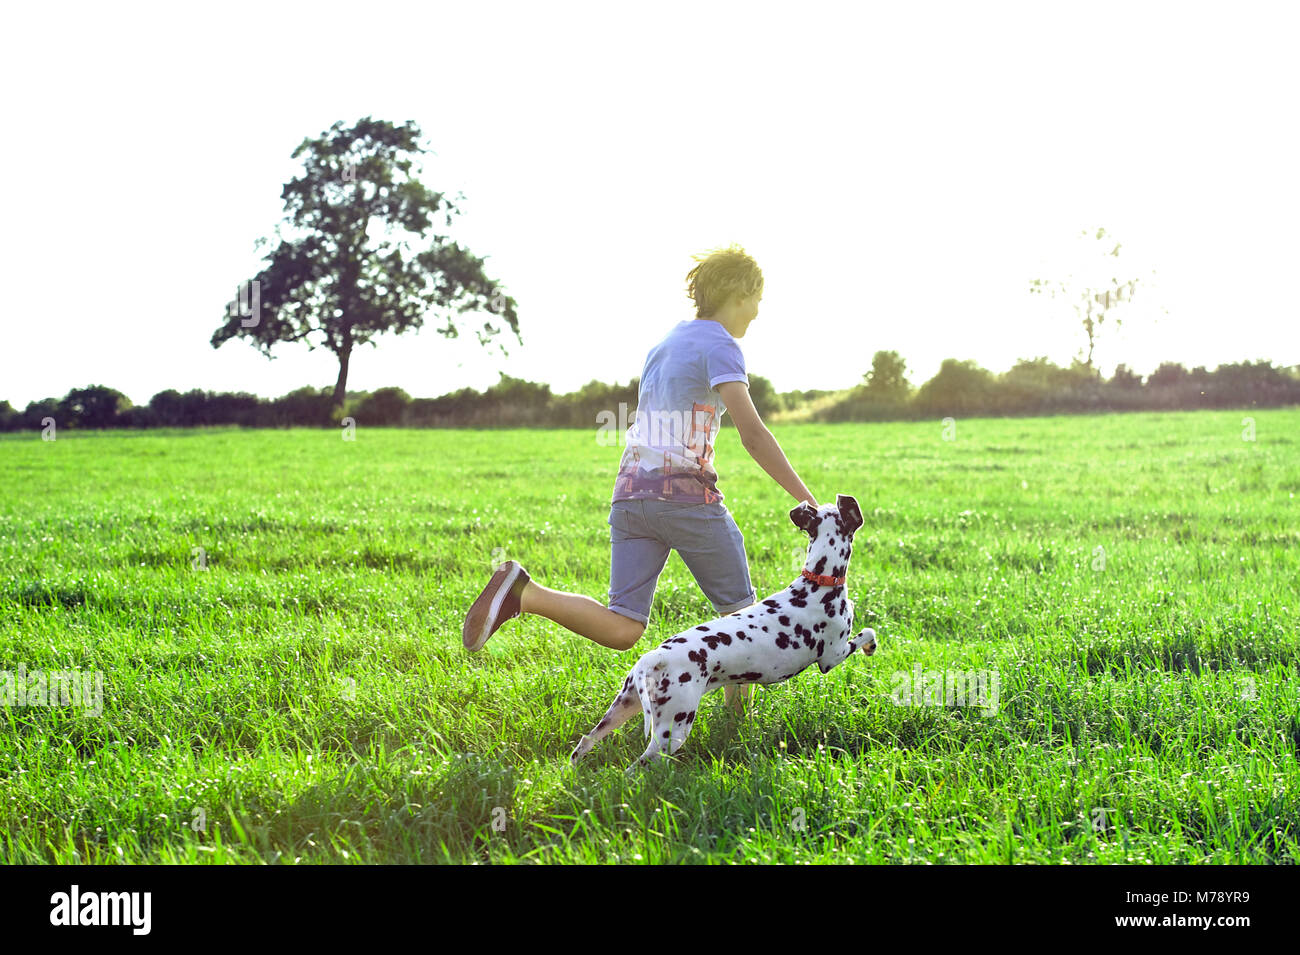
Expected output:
(358, 254)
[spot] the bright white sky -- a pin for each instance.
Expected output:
(899, 171)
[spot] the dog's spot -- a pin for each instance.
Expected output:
(821, 645)
(661, 700)
(679, 717)
(771, 603)
(783, 621)
(750, 677)
(765, 629)
(684, 678)
(782, 641)
(677, 640)
(820, 566)
(701, 627)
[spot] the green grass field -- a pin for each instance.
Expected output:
(296, 691)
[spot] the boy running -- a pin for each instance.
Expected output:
(666, 495)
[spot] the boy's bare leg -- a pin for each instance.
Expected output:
(606, 627)
(582, 615)
(736, 695)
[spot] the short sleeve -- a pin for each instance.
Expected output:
(724, 362)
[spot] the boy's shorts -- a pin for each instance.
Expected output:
(641, 534)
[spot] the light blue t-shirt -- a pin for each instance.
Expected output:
(669, 450)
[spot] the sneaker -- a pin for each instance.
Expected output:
(495, 605)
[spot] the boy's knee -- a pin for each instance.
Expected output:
(628, 632)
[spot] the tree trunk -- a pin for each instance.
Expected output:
(1090, 328)
(341, 386)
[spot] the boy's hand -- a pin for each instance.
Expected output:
(759, 442)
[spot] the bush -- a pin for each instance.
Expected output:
(93, 407)
(960, 387)
(1038, 386)
(583, 408)
(38, 411)
(886, 382)
(302, 407)
(384, 407)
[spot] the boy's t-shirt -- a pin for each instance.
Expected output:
(669, 450)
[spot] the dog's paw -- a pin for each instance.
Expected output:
(867, 640)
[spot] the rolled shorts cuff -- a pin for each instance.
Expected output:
(624, 611)
(732, 608)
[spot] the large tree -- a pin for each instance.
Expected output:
(358, 254)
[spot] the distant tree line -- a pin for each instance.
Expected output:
(1031, 387)
(1037, 387)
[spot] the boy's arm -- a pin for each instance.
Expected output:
(759, 442)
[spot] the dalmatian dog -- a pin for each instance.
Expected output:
(811, 621)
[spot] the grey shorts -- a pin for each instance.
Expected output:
(705, 536)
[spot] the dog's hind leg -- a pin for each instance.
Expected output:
(669, 728)
(620, 711)
(656, 721)
(659, 739)
(682, 728)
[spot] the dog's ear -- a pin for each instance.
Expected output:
(804, 517)
(849, 512)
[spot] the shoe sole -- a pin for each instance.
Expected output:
(504, 578)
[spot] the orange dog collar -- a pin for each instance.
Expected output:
(823, 579)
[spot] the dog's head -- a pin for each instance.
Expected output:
(830, 529)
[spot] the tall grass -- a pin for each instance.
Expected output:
(276, 618)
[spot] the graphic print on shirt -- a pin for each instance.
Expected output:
(700, 434)
(684, 467)
(670, 446)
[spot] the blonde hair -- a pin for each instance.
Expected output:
(720, 276)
